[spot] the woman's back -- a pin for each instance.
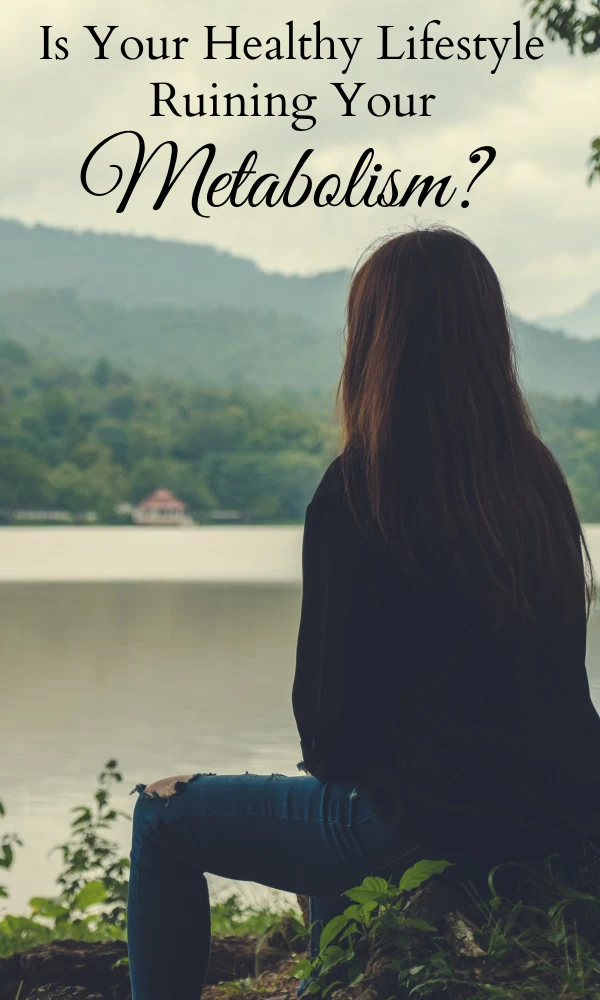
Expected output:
(471, 737)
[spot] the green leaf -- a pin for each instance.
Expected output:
(6, 856)
(302, 969)
(48, 907)
(369, 905)
(331, 956)
(421, 872)
(331, 931)
(298, 927)
(351, 929)
(90, 894)
(2, 811)
(372, 889)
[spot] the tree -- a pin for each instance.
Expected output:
(56, 409)
(14, 354)
(101, 372)
(98, 488)
(270, 486)
(576, 22)
(24, 480)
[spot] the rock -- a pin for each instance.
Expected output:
(460, 932)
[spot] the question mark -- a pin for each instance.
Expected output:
(475, 158)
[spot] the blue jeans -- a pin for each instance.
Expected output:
(294, 834)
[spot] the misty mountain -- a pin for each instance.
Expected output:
(136, 271)
(227, 346)
(582, 322)
(217, 345)
(195, 313)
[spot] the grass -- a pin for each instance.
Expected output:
(531, 936)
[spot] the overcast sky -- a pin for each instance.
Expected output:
(532, 213)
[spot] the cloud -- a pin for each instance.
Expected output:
(532, 212)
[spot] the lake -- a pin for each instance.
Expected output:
(169, 649)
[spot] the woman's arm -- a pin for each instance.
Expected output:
(326, 697)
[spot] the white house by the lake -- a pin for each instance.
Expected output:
(161, 507)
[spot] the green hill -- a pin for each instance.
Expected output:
(134, 271)
(195, 313)
(227, 346)
(89, 439)
(212, 345)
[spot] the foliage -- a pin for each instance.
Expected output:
(576, 22)
(90, 441)
(93, 883)
(539, 939)
(94, 873)
(376, 911)
(8, 842)
(80, 442)
(231, 916)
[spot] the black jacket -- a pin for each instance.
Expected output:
(470, 742)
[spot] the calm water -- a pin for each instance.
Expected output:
(170, 649)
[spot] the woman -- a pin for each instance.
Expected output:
(441, 693)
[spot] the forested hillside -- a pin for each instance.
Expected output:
(228, 346)
(214, 345)
(80, 440)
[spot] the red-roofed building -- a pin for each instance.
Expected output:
(161, 507)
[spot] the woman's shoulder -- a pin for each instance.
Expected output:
(331, 486)
(331, 505)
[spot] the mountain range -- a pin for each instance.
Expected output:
(134, 271)
(194, 312)
(582, 322)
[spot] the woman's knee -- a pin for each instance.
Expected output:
(152, 803)
(164, 788)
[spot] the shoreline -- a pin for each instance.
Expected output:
(260, 554)
(211, 554)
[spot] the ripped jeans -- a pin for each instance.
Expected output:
(290, 833)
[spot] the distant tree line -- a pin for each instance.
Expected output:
(88, 440)
(80, 441)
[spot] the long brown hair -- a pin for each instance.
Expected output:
(441, 458)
